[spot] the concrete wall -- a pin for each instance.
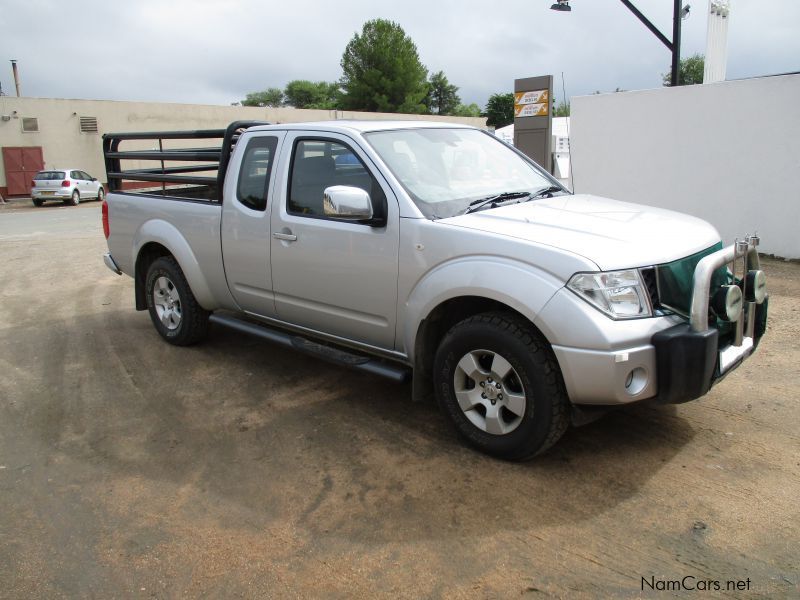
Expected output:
(727, 152)
(65, 146)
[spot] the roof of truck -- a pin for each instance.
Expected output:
(363, 126)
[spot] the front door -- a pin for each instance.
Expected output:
(245, 221)
(21, 165)
(332, 276)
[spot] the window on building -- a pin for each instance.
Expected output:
(30, 124)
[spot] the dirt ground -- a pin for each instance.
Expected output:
(131, 468)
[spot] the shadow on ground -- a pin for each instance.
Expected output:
(285, 436)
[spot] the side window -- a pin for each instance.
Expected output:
(74, 175)
(85, 175)
(254, 174)
(318, 164)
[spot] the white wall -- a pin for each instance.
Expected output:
(65, 146)
(727, 152)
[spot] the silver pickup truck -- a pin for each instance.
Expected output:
(432, 250)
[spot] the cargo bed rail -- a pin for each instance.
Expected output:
(196, 173)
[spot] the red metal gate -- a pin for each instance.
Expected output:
(21, 164)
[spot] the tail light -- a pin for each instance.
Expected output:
(105, 218)
(33, 183)
(65, 183)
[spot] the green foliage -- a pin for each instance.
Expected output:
(690, 71)
(302, 93)
(500, 110)
(269, 97)
(382, 71)
(442, 96)
(467, 110)
(562, 109)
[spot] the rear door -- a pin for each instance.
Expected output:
(91, 186)
(79, 183)
(332, 276)
(247, 200)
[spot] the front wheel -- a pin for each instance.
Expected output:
(175, 313)
(101, 193)
(499, 383)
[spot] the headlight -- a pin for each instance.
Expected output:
(619, 294)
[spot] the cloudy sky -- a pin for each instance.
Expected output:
(215, 51)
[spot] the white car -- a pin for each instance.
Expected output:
(68, 185)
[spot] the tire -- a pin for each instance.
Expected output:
(75, 199)
(498, 382)
(38, 202)
(175, 313)
(101, 194)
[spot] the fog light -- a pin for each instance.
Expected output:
(756, 285)
(636, 381)
(727, 302)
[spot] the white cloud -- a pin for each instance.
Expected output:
(208, 51)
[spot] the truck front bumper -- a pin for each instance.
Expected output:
(664, 358)
(690, 357)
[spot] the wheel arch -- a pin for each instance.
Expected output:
(523, 292)
(158, 238)
(147, 254)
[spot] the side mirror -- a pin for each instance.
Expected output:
(94, 178)
(347, 203)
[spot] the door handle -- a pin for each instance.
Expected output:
(286, 237)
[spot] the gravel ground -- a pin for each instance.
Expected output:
(131, 468)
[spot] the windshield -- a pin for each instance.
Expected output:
(444, 170)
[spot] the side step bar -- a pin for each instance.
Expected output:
(396, 373)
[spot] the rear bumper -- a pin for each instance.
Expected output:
(57, 194)
(111, 264)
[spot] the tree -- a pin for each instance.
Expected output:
(690, 71)
(500, 110)
(442, 96)
(302, 93)
(467, 110)
(382, 71)
(562, 109)
(269, 97)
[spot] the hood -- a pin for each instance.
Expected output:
(610, 233)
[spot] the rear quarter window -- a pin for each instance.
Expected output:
(254, 174)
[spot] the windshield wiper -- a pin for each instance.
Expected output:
(492, 201)
(552, 189)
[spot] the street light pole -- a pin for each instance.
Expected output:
(677, 17)
(674, 45)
